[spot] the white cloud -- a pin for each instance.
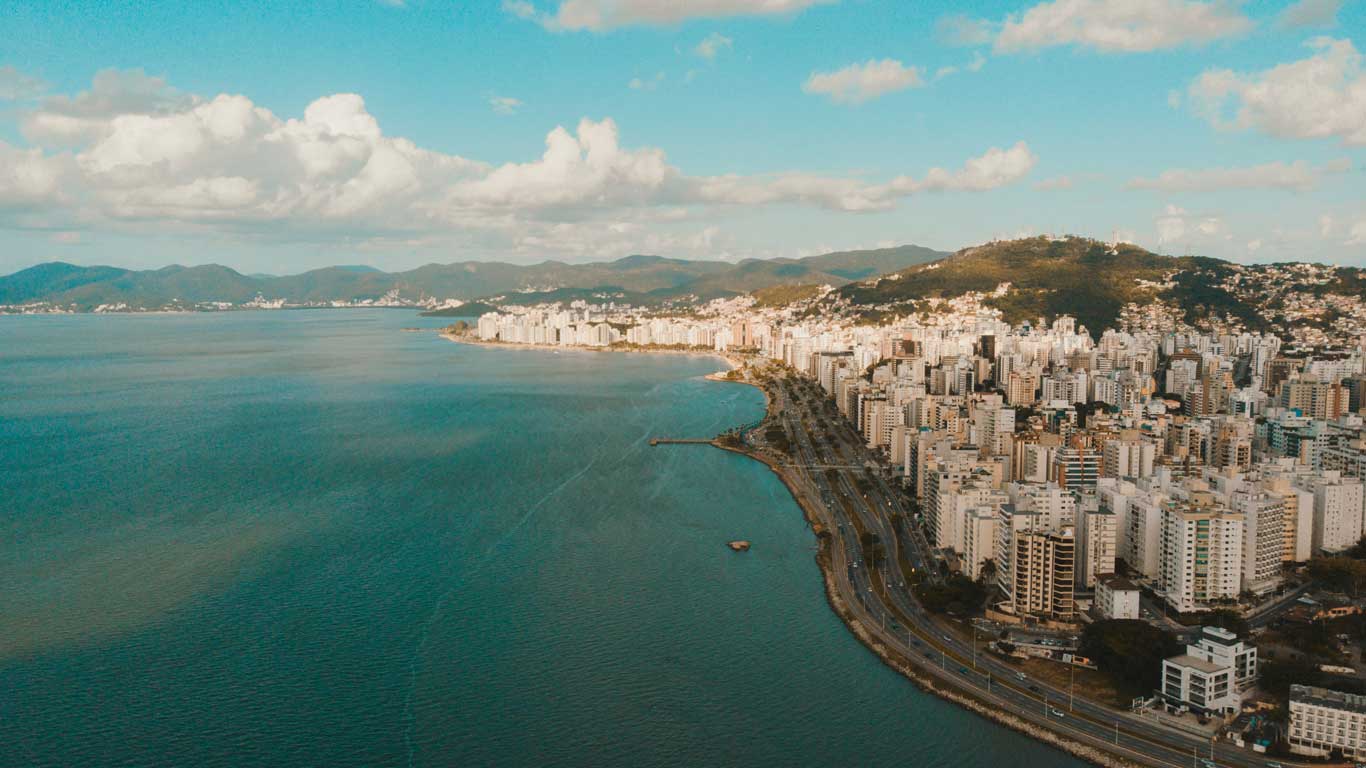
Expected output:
(1357, 234)
(520, 8)
(1254, 245)
(652, 83)
(27, 177)
(76, 119)
(228, 165)
(15, 85)
(1121, 25)
(1057, 182)
(599, 15)
(712, 44)
(974, 65)
(505, 105)
(858, 83)
(1323, 96)
(964, 30)
(1174, 99)
(1297, 175)
(1177, 225)
(991, 170)
(1310, 13)
(1325, 225)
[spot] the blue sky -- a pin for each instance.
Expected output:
(278, 137)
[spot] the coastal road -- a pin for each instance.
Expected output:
(826, 460)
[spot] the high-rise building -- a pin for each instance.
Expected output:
(1128, 457)
(1202, 555)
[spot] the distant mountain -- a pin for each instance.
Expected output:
(1092, 281)
(637, 279)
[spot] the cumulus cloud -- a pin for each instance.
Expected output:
(1057, 182)
(15, 85)
(505, 105)
(599, 15)
(1297, 175)
(1321, 97)
(974, 65)
(227, 164)
(70, 120)
(712, 44)
(1177, 225)
(1357, 234)
(995, 168)
(960, 29)
(858, 83)
(1120, 25)
(637, 84)
(1310, 13)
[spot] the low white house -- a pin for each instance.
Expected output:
(1116, 598)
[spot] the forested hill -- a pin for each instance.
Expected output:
(644, 278)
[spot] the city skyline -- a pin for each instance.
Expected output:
(400, 133)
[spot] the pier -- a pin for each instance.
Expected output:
(680, 441)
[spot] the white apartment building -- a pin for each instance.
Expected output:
(1263, 537)
(1128, 458)
(1202, 555)
(1338, 512)
(1199, 684)
(1212, 674)
(1322, 720)
(979, 539)
(1097, 534)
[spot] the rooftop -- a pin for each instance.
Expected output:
(1196, 663)
(1323, 697)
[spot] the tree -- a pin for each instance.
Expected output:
(958, 595)
(1339, 573)
(1228, 619)
(1129, 652)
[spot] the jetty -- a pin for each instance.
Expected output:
(680, 441)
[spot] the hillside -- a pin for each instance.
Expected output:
(638, 279)
(1093, 281)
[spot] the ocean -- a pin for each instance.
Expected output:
(310, 538)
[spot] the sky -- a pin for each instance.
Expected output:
(276, 137)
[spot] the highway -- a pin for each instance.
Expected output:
(827, 464)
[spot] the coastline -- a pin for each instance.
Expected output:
(731, 360)
(916, 676)
(910, 671)
(922, 681)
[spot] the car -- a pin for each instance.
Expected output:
(1021, 676)
(1034, 688)
(962, 670)
(929, 655)
(1057, 713)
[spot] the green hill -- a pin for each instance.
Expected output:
(1085, 278)
(635, 279)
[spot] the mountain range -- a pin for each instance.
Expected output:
(638, 279)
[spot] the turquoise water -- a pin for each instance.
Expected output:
(307, 538)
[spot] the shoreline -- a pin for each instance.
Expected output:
(909, 671)
(733, 361)
(917, 677)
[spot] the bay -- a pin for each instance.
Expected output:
(310, 538)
